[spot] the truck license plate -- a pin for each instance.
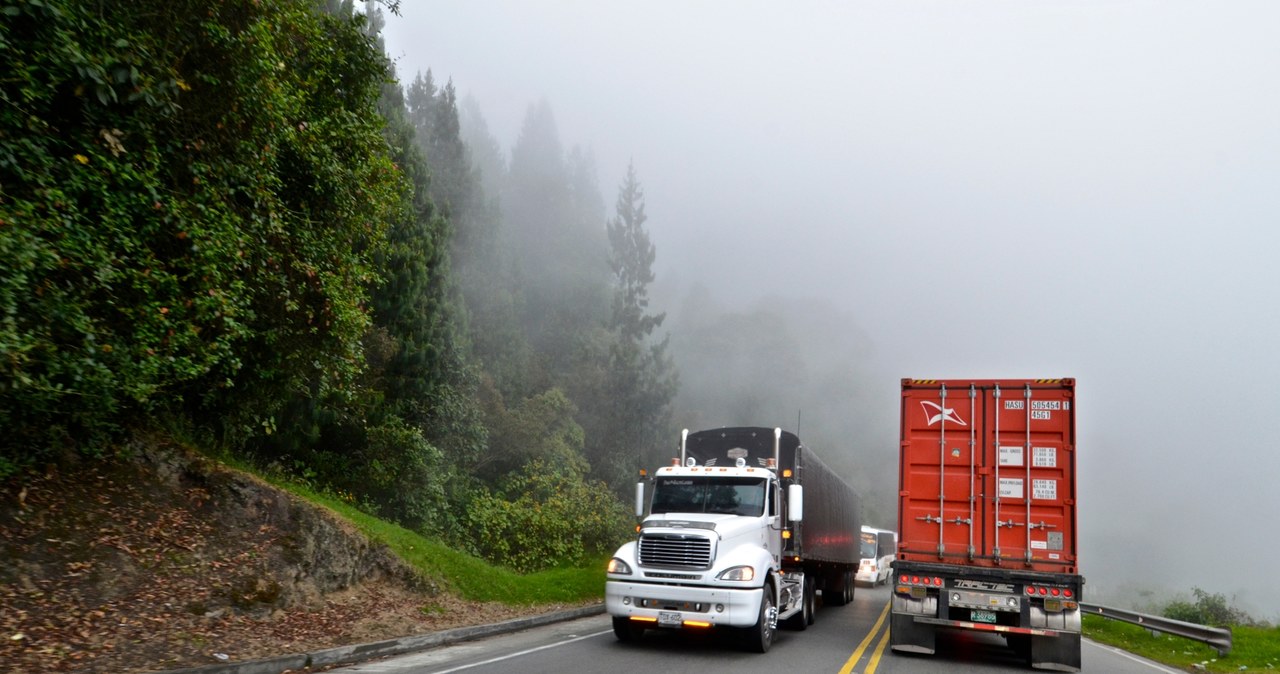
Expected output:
(667, 619)
(988, 617)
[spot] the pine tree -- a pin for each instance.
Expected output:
(634, 410)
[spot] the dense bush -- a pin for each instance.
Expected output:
(1207, 609)
(544, 517)
(190, 196)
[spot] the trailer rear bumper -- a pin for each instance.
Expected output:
(1049, 649)
(983, 627)
(675, 605)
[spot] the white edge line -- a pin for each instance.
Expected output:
(1131, 656)
(528, 651)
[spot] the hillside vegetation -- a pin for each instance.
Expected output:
(165, 559)
(230, 223)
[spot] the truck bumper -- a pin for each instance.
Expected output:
(674, 606)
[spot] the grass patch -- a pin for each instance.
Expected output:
(1253, 649)
(468, 577)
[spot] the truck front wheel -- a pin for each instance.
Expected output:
(759, 637)
(626, 630)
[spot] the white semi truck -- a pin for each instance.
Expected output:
(743, 529)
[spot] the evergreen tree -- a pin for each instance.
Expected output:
(633, 413)
(560, 247)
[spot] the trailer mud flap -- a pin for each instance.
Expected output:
(1061, 654)
(906, 636)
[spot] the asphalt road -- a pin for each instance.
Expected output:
(851, 639)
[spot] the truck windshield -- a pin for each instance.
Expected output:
(727, 495)
(869, 545)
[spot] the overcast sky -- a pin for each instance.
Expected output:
(1022, 188)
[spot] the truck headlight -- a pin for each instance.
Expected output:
(737, 573)
(618, 566)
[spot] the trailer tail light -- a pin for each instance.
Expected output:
(1063, 592)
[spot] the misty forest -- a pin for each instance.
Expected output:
(241, 230)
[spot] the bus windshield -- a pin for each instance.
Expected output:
(725, 495)
(869, 545)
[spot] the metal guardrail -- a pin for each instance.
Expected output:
(1217, 637)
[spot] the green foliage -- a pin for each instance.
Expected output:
(545, 516)
(1252, 648)
(1207, 609)
(192, 193)
(540, 428)
(472, 578)
(629, 401)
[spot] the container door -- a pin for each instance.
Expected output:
(987, 474)
(1030, 482)
(940, 477)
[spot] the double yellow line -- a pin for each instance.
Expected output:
(874, 660)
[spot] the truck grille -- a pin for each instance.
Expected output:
(675, 551)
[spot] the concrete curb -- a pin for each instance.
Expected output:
(349, 655)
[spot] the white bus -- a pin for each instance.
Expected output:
(878, 549)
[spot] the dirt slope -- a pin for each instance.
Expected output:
(168, 560)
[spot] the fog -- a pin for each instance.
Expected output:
(984, 189)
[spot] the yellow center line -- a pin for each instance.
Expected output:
(857, 653)
(875, 657)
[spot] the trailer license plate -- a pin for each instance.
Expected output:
(1053, 605)
(988, 617)
(667, 619)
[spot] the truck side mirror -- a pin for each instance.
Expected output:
(795, 503)
(639, 499)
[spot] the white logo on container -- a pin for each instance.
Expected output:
(945, 414)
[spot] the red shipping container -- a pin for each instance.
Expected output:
(987, 475)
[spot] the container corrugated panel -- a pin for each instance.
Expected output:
(987, 475)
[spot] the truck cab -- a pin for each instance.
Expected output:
(718, 545)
